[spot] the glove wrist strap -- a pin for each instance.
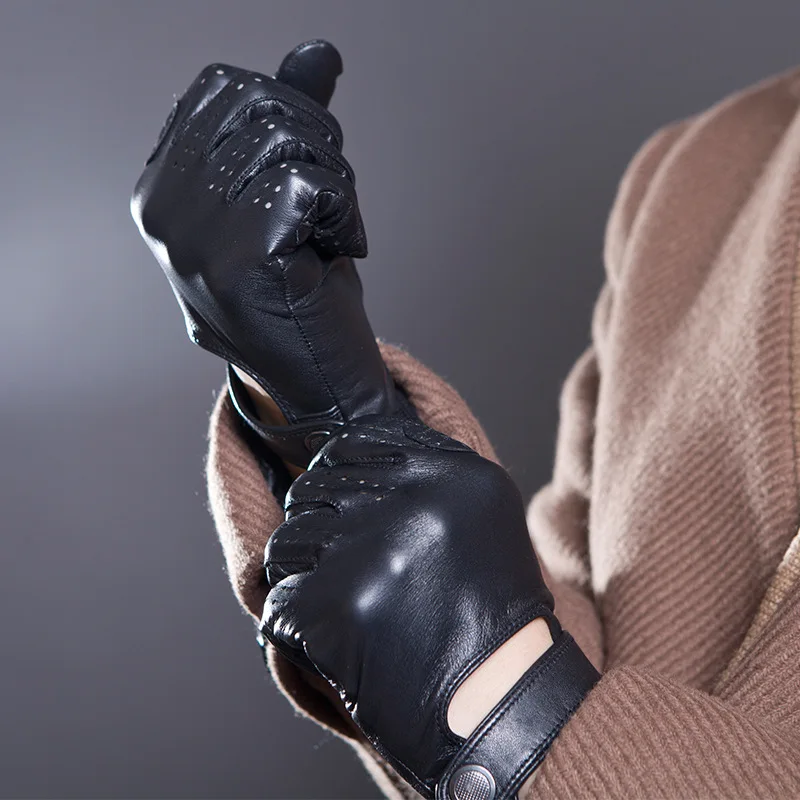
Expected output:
(513, 739)
(296, 442)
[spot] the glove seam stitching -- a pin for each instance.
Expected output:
(307, 341)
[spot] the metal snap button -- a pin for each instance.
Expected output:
(471, 782)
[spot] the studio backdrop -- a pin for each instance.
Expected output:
(487, 139)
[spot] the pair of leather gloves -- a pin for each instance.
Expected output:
(404, 560)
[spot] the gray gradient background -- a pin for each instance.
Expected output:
(488, 140)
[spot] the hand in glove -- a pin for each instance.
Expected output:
(250, 208)
(403, 564)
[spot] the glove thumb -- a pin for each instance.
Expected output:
(312, 68)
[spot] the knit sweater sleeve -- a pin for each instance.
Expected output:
(642, 735)
(558, 514)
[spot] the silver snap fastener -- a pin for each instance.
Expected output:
(471, 782)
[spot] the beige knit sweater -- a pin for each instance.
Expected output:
(668, 531)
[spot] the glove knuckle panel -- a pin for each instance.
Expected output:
(247, 98)
(253, 154)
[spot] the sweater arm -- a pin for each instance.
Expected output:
(639, 735)
(642, 735)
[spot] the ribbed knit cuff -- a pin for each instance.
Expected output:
(512, 741)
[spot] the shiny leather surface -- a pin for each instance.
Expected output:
(250, 209)
(403, 563)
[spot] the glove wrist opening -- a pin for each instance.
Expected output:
(513, 739)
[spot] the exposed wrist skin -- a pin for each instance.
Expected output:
(266, 407)
(484, 688)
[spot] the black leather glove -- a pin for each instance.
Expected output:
(250, 208)
(405, 562)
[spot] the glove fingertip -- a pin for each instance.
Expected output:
(312, 68)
